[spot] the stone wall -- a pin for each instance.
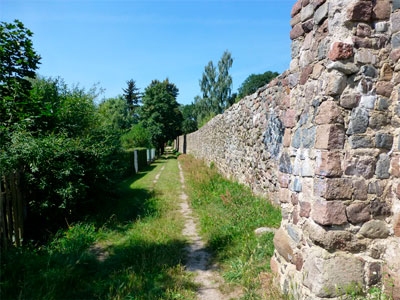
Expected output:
(322, 141)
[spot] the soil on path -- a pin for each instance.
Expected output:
(198, 256)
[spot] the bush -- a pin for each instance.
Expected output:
(62, 175)
(137, 136)
(142, 158)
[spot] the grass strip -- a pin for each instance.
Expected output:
(229, 213)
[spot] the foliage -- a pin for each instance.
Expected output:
(189, 123)
(160, 112)
(142, 158)
(137, 136)
(216, 85)
(229, 214)
(66, 156)
(132, 249)
(62, 174)
(70, 110)
(132, 97)
(216, 88)
(75, 240)
(114, 114)
(18, 62)
(253, 82)
(205, 119)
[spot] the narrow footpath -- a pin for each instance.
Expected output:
(198, 256)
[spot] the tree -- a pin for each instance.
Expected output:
(254, 82)
(189, 123)
(160, 112)
(132, 96)
(224, 81)
(137, 136)
(18, 62)
(216, 85)
(216, 88)
(114, 114)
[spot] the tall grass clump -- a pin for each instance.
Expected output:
(229, 213)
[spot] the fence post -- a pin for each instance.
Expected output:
(135, 158)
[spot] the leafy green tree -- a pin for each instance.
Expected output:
(137, 136)
(216, 85)
(18, 62)
(189, 123)
(132, 96)
(114, 113)
(254, 82)
(160, 112)
(70, 110)
(224, 81)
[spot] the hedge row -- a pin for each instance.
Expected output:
(130, 159)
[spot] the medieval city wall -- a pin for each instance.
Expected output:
(322, 141)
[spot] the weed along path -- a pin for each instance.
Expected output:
(198, 256)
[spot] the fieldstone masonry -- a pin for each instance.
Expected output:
(322, 141)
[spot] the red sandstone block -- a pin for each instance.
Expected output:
(287, 137)
(340, 51)
(282, 245)
(296, 32)
(305, 209)
(289, 118)
(363, 30)
(296, 8)
(396, 225)
(330, 137)
(304, 3)
(285, 101)
(295, 216)
(295, 199)
(382, 10)
(395, 166)
(362, 42)
(384, 88)
(305, 74)
(329, 212)
(329, 164)
(284, 180)
(360, 189)
(298, 261)
(328, 113)
(333, 188)
(395, 55)
(284, 195)
(358, 212)
(274, 266)
(360, 11)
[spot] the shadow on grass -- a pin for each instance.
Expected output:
(136, 270)
(126, 204)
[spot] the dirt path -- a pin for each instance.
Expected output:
(158, 175)
(198, 256)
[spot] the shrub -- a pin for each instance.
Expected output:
(137, 136)
(62, 175)
(142, 158)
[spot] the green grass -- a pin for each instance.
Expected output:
(229, 213)
(140, 249)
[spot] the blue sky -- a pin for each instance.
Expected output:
(111, 41)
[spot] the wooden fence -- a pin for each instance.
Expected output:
(11, 210)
